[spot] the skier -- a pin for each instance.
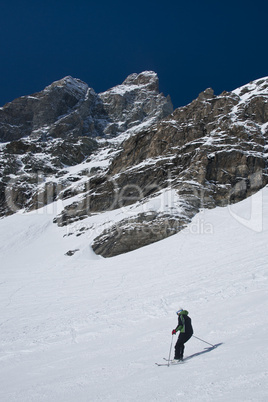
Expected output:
(186, 331)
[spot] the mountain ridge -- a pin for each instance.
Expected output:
(211, 152)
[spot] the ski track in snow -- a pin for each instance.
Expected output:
(84, 328)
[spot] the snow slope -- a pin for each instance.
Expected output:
(84, 328)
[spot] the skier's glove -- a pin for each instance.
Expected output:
(174, 332)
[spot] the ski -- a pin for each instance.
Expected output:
(163, 364)
(169, 363)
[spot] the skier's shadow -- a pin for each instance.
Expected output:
(206, 350)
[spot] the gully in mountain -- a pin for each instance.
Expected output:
(186, 332)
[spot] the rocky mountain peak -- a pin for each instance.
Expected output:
(58, 127)
(207, 94)
(137, 100)
(146, 78)
(69, 84)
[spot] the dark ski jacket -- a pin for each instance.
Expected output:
(184, 324)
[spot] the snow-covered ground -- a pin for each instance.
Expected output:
(84, 328)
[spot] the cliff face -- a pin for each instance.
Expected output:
(130, 153)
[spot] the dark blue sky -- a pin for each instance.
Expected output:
(192, 45)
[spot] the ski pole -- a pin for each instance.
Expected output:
(170, 350)
(204, 341)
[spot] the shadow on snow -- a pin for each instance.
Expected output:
(206, 350)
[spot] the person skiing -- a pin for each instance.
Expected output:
(186, 331)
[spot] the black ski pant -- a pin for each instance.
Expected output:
(179, 347)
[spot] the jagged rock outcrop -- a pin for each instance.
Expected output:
(139, 231)
(144, 172)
